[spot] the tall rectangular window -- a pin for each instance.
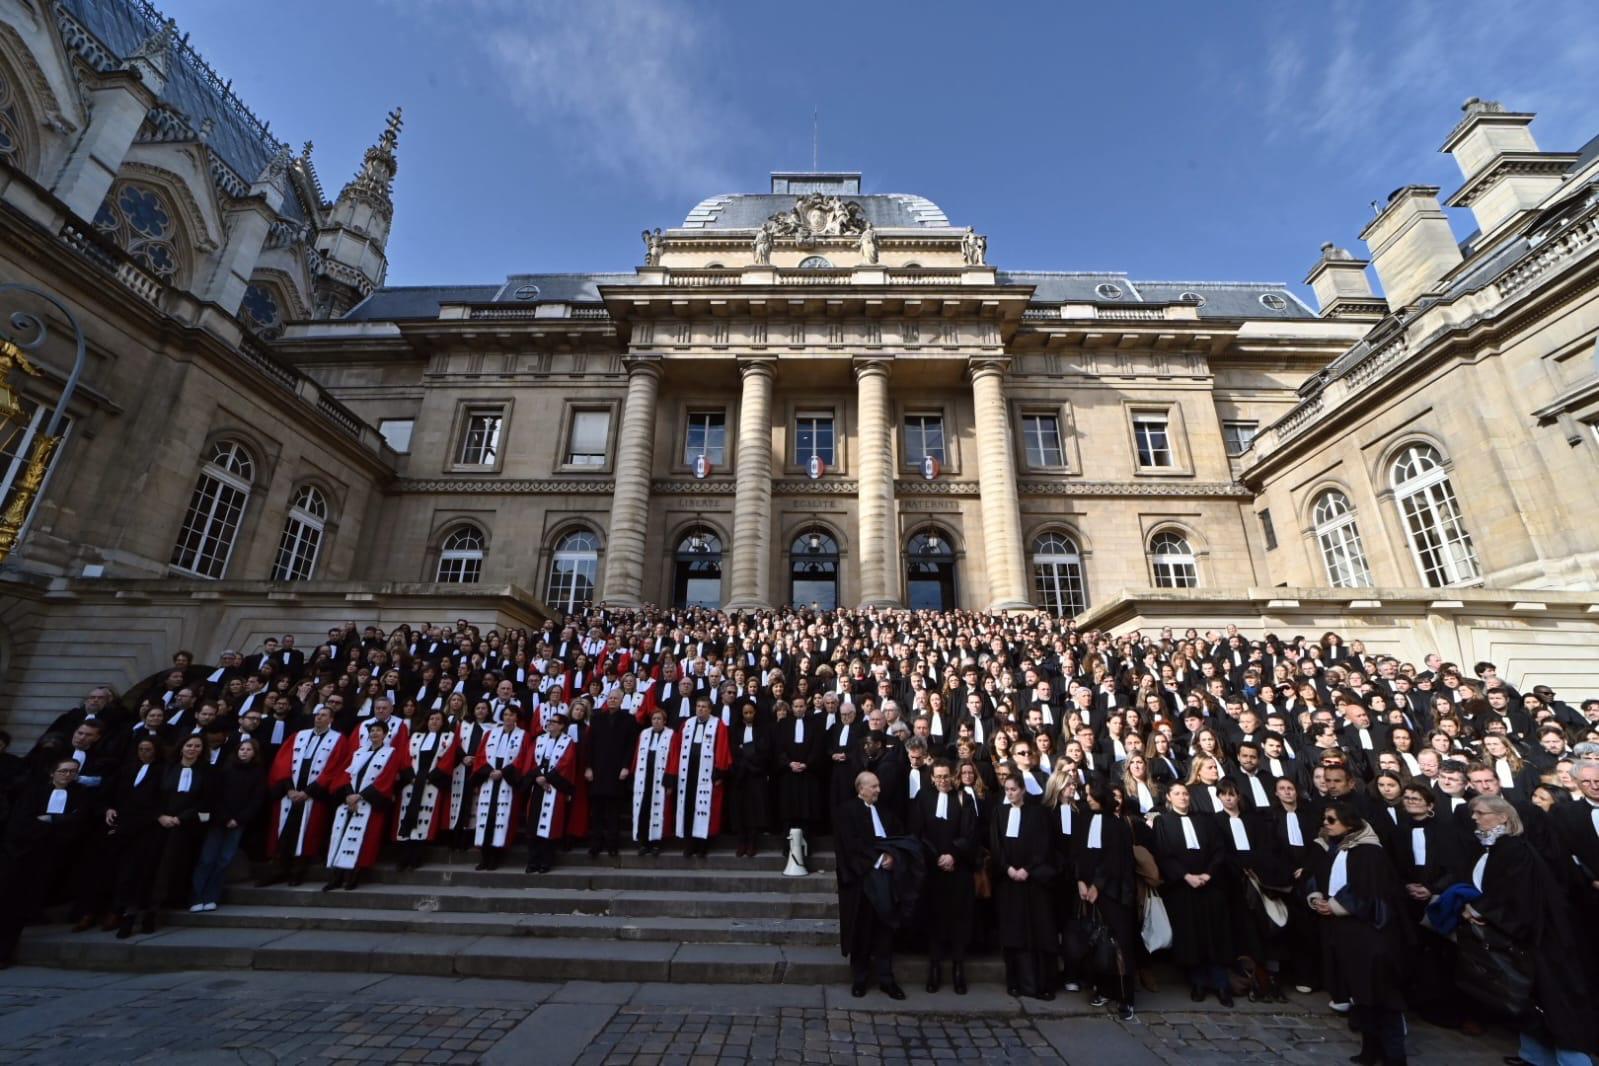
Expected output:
(480, 437)
(813, 435)
(1268, 530)
(1041, 436)
(1238, 436)
(1152, 434)
(924, 436)
(590, 432)
(707, 436)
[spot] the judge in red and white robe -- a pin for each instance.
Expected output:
(652, 803)
(553, 778)
(297, 828)
(699, 760)
(469, 737)
(424, 800)
(398, 733)
(497, 773)
(360, 784)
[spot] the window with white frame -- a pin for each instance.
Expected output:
(1437, 534)
(1338, 537)
(397, 433)
(924, 436)
(480, 436)
(707, 436)
(591, 431)
(813, 435)
(1238, 436)
(461, 556)
(1058, 575)
(211, 524)
(18, 440)
(302, 536)
(1152, 436)
(573, 570)
(1041, 439)
(1173, 561)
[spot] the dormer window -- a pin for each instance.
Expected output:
(1107, 291)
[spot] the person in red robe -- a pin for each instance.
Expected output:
(297, 827)
(470, 733)
(576, 829)
(497, 777)
(652, 803)
(553, 775)
(361, 786)
(699, 761)
(424, 801)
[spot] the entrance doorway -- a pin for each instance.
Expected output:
(697, 573)
(813, 570)
(930, 571)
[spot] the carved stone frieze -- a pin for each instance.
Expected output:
(1064, 487)
(936, 488)
(507, 486)
(799, 486)
(722, 486)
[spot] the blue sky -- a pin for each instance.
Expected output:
(1183, 141)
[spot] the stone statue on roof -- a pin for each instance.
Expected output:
(974, 247)
(816, 215)
(869, 243)
(653, 243)
(763, 245)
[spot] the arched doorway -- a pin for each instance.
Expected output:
(813, 570)
(930, 571)
(697, 571)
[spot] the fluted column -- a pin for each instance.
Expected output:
(879, 587)
(996, 479)
(630, 506)
(752, 482)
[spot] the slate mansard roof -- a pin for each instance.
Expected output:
(747, 211)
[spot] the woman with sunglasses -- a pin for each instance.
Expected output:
(1358, 897)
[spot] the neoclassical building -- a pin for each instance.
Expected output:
(809, 393)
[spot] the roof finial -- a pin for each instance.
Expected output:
(156, 50)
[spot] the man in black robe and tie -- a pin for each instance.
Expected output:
(859, 830)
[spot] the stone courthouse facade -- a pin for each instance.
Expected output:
(807, 394)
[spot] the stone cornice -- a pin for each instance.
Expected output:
(911, 487)
(1538, 164)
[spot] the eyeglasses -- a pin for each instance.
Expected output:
(1329, 820)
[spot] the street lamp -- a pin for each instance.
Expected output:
(22, 332)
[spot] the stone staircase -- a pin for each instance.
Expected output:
(719, 920)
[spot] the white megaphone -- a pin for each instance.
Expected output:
(797, 850)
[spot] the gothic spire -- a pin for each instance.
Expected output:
(374, 182)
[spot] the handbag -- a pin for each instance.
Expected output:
(1104, 954)
(981, 883)
(1276, 910)
(1074, 938)
(1157, 923)
(1493, 970)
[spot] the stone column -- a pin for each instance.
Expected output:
(752, 502)
(878, 535)
(630, 506)
(996, 474)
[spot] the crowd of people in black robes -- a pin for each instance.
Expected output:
(1271, 813)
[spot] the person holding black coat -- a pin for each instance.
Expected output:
(49, 817)
(1254, 867)
(1107, 880)
(1190, 853)
(1361, 903)
(1521, 898)
(749, 784)
(1432, 855)
(860, 826)
(944, 818)
(1024, 868)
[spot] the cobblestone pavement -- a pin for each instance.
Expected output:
(281, 1019)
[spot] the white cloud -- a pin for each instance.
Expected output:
(622, 82)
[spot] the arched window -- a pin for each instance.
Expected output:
(697, 577)
(813, 570)
(206, 539)
(1173, 561)
(461, 556)
(302, 536)
(1339, 540)
(1438, 538)
(1058, 575)
(140, 218)
(13, 126)
(929, 571)
(572, 572)
(261, 311)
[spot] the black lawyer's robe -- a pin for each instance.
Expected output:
(1024, 910)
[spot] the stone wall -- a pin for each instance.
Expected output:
(59, 639)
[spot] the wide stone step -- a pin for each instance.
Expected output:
(468, 925)
(584, 878)
(524, 958)
(772, 858)
(506, 898)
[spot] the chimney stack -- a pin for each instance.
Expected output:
(1341, 286)
(1504, 171)
(1411, 244)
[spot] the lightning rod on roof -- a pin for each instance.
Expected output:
(816, 135)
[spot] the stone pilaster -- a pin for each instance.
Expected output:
(630, 507)
(996, 473)
(118, 102)
(878, 536)
(752, 484)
